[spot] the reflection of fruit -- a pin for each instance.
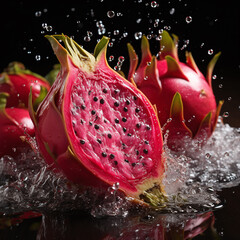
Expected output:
(179, 90)
(14, 123)
(157, 227)
(97, 127)
(16, 81)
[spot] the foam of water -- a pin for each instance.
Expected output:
(191, 180)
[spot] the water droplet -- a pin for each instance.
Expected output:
(38, 13)
(115, 32)
(138, 20)
(210, 51)
(49, 28)
(214, 76)
(225, 114)
(111, 58)
(154, 4)
(188, 19)
(125, 34)
(111, 14)
(87, 39)
(38, 57)
(110, 44)
(229, 98)
(101, 30)
(138, 35)
(121, 59)
(172, 11)
(220, 85)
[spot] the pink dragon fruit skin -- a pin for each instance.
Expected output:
(168, 82)
(96, 127)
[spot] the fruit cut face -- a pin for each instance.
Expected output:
(111, 130)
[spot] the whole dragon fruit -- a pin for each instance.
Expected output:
(14, 123)
(16, 80)
(97, 128)
(184, 98)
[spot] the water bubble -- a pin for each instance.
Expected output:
(154, 4)
(188, 19)
(229, 98)
(210, 51)
(49, 28)
(89, 33)
(110, 44)
(99, 24)
(220, 85)
(125, 34)
(138, 35)
(38, 13)
(111, 14)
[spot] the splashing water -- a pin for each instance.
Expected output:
(191, 180)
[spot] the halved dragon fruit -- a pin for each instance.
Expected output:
(97, 128)
(184, 98)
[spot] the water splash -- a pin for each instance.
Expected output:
(191, 180)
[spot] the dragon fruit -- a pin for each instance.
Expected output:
(184, 98)
(97, 128)
(16, 80)
(14, 123)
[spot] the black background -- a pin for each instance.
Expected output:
(214, 23)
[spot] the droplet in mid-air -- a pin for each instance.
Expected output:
(210, 51)
(110, 14)
(188, 19)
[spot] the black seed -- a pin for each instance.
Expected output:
(90, 123)
(126, 160)
(137, 152)
(129, 134)
(104, 90)
(102, 101)
(83, 107)
(138, 125)
(82, 121)
(115, 162)
(109, 135)
(124, 119)
(116, 104)
(146, 142)
(124, 129)
(116, 120)
(95, 99)
(123, 145)
(135, 97)
(96, 126)
(82, 141)
(93, 112)
(116, 91)
(148, 127)
(89, 92)
(104, 154)
(99, 141)
(125, 109)
(112, 156)
(145, 151)
(137, 110)
(127, 102)
(133, 164)
(105, 120)
(143, 164)
(141, 157)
